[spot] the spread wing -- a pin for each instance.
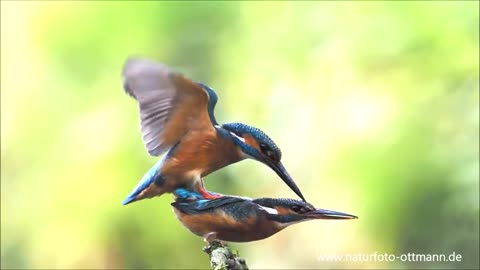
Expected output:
(170, 104)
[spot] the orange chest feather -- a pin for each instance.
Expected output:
(226, 227)
(202, 153)
(215, 221)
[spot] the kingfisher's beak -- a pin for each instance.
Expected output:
(327, 214)
(282, 172)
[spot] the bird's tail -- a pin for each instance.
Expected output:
(148, 187)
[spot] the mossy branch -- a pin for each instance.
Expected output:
(222, 258)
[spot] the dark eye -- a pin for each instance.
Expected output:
(264, 147)
(296, 208)
(267, 151)
(270, 154)
(302, 209)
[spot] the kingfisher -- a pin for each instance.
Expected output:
(241, 219)
(177, 120)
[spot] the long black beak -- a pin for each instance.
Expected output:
(282, 172)
(328, 214)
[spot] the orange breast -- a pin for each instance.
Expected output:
(226, 227)
(200, 154)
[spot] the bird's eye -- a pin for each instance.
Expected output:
(270, 154)
(264, 147)
(296, 208)
(301, 209)
(267, 151)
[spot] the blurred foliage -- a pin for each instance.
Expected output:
(374, 104)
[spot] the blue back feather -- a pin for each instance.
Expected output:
(191, 202)
(183, 194)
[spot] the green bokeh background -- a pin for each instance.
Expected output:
(374, 104)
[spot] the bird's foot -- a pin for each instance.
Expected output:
(211, 196)
(210, 238)
(208, 195)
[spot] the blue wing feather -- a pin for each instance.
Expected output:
(201, 205)
(212, 101)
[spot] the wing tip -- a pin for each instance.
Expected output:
(137, 67)
(127, 89)
(128, 66)
(135, 64)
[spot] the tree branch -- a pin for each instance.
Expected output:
(222, 258)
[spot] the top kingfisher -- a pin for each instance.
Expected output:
(176, 118)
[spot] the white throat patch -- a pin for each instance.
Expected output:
(270, 210)
(238, 137)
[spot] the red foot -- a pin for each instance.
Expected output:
(207, 195)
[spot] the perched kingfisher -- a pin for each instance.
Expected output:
(176, 118)
(239, 219)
